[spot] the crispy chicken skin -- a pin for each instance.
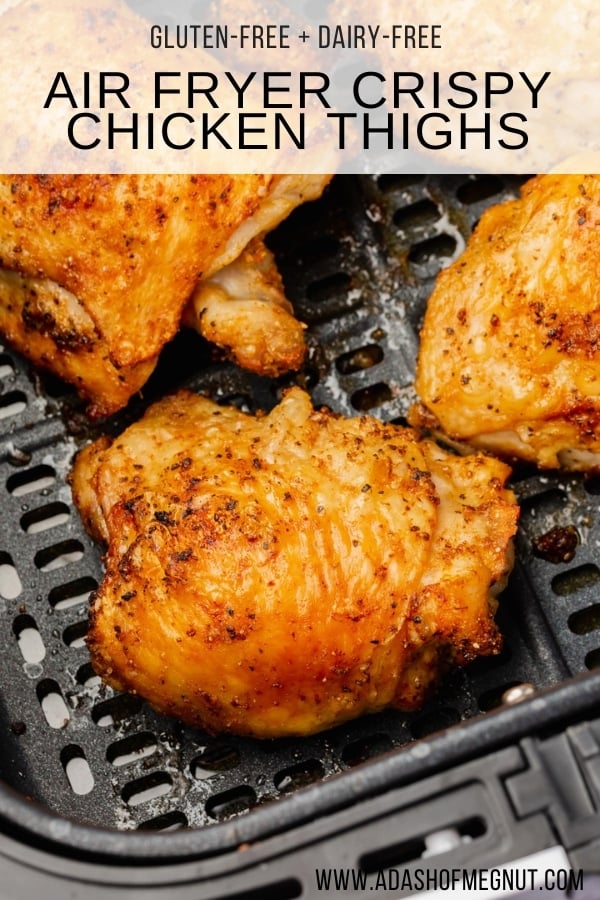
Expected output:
(280, 574)
(243, 309)
(509, 357)
(96, 269)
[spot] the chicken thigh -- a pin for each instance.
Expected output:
(510, 353)
(96, 271)
(280, 574)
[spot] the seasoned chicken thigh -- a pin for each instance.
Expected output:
(96, 271)
(280, 574)
(510, 353)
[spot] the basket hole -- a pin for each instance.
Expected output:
(171, 821)
(37, 478)
(29, 639)
(6, 366)
(289, 889)
(546, 502)
(131, 749)
(12, 403)
(357, 360)
(365, 748)
(298, 776)
(428, 723)
(398, 182)
(54, 387)
(448, 839)
(592, 660)
(44, 518)
(77, 769)
(56, 711)
(116, 709)
(214, 758)
(575, 580)
(150, 787)
(369, 397)
(493, 698)
(585, 620)
(58, 555)
(395, 855)
(10, 583)
(74, 635)
(230, 803)
(432, 844)
(416, 216)
(328, 287)
(72, 593)
(86, 675)
(440, 248)
(480, 188)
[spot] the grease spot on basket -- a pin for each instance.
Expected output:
(33, 670)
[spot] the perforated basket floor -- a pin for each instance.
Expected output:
(359, 265)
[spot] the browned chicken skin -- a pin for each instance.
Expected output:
(280, 574)
(509, 358)
(97, 269)
(243, 309)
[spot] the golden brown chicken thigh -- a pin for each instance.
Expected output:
(281, 574)
(96, 271)
(510, 353)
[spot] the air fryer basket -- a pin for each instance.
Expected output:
(358, 265)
